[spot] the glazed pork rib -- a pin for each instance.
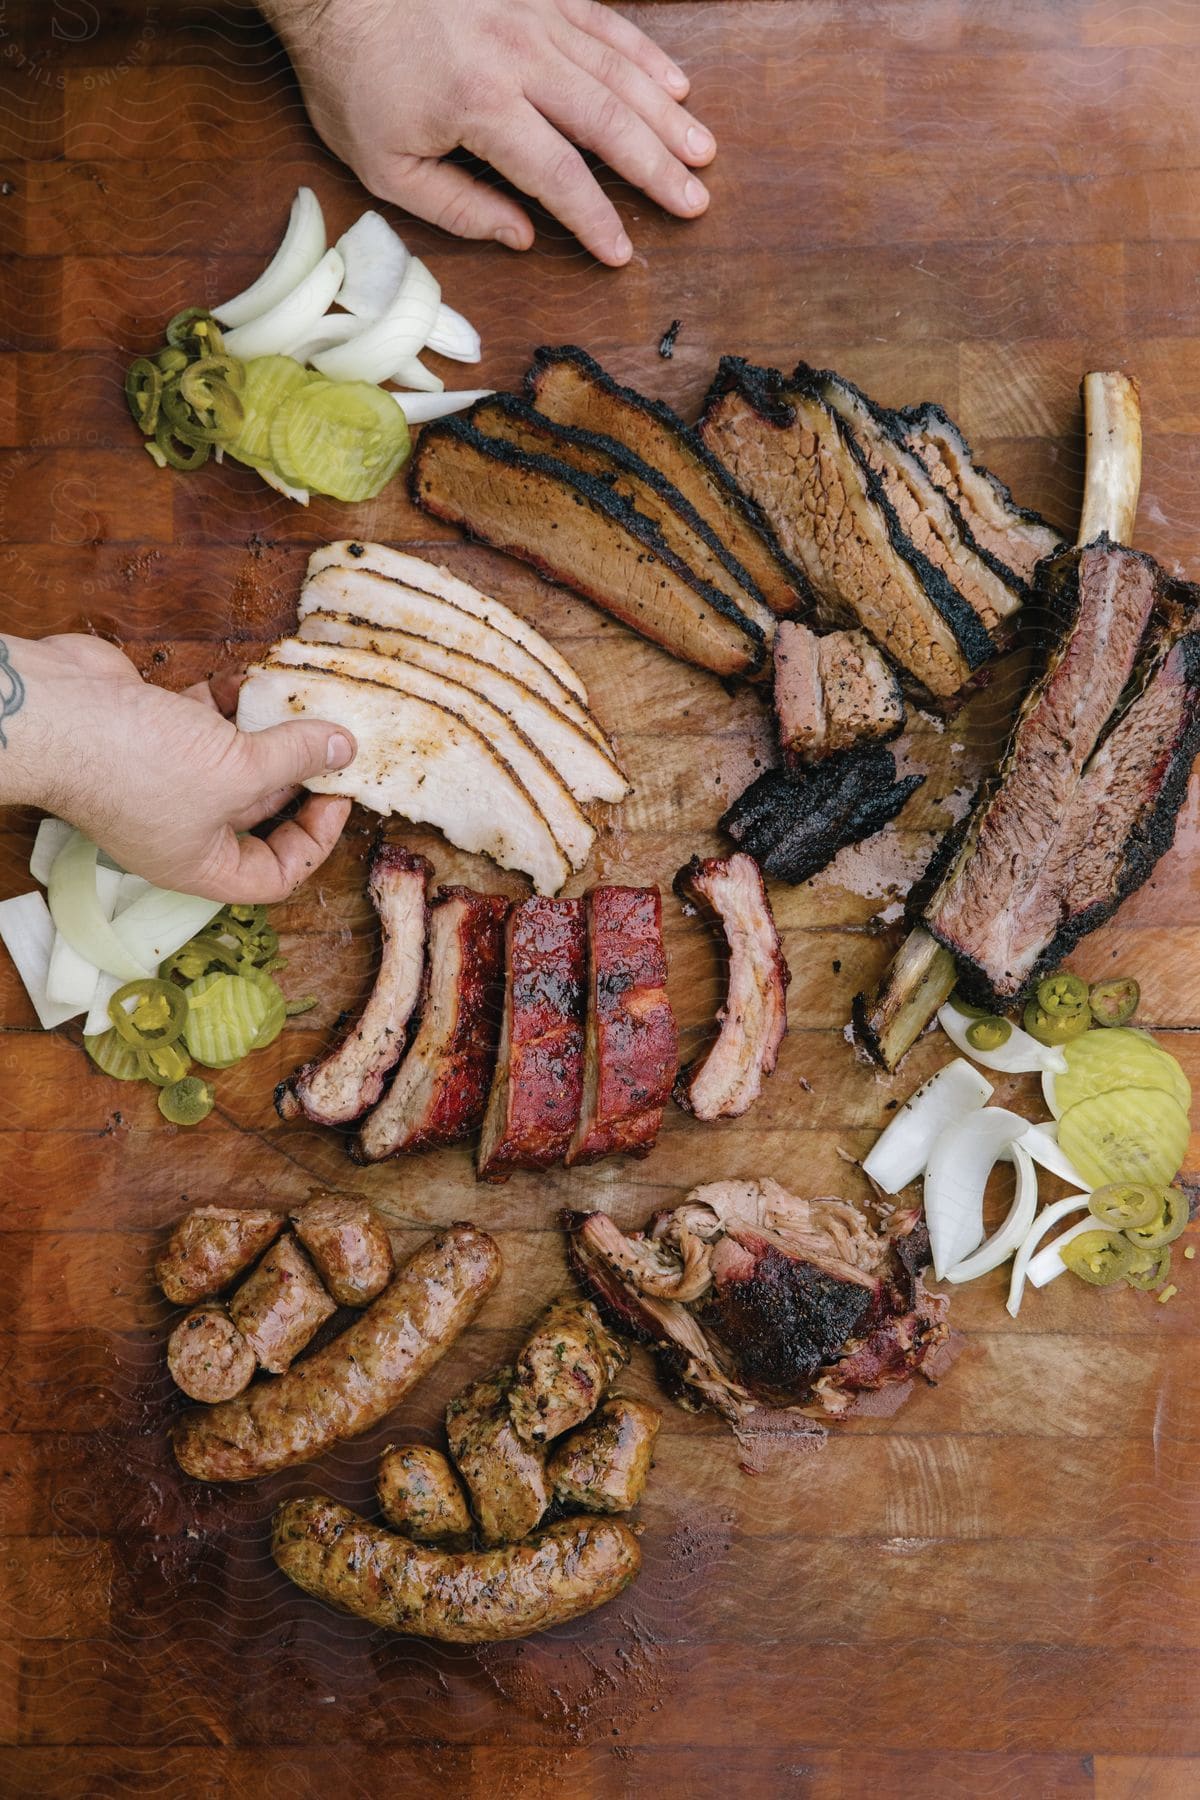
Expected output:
(727, 1080)
(439, 1094)
(831, 693)
(347, 1081)
(538, 1085)
(632, 1043)
(567, 385)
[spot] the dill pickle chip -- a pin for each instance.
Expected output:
(270, 380)
(342, 438)
(225, 1015)
(1100, 1061)
(109, 1051)
(186, 1102)
(1127, 1134)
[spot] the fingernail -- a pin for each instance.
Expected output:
(510, 237)
(699, 141)
(694, 195)
(622, 248)
(338, 751)
(676, 79)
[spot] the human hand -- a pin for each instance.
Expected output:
(394, 85)
(165, 782)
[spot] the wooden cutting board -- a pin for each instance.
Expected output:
(995, 1591)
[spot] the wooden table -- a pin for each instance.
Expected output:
(995, 1592)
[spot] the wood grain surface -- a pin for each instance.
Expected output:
(996, 1592)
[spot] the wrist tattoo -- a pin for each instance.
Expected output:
(12, 691)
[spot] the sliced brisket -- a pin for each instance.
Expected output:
(831, 693)
(793, 825)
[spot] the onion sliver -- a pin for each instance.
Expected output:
(1041, 1141)
(273, 479)
(98, 1020)
(51, 835)
(1049, 1215)
(902, 1150)
(161, 922)
(956, 1176)
(376, 261)
(302, 248)
(1019, 1054)
(27, 933)
(421, 409)
(412, 373)
(1008, 1239)
(373, 354)
(294, 319)
(77, 912)
(71, 979)
(334, 328)
(454, 336)
(1048, 1265)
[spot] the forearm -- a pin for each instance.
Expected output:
(43, 729)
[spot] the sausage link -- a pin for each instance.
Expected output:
(357, 1379)
(281, 1305)
(208, 1357)
(420, 1495)
(485, 1596)
(349, 1245)
(210, 1247)
(604, 1465)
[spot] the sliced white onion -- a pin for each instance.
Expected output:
(1007, 1240)
(956, 1175)
(902, 1150)
(50, 837)
(334, 328)
(1048, 1265)
(273, 479)
(302, 248)
(1019, 1054)
(421, 409)
(376, 261)
(293, 319)
(1041, 1141)
(70, 978)
(77, 912)
(1048, 1095)
(129, 889)
(1049, 1215)
(27, 933)
(97, 1019)
(160, 923)
(402, 331)
(412, 373)
(454, 336)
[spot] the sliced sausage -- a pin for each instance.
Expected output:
(604, 1465)
(208, 1357)
(210, 1247)
(348, 1244)
(278, 1308)
(563, 1371)
(482, 1597)
(505, 1478)
(353, 1382)
(420, 1495)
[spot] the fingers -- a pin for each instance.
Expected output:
(456, 202)
(285, 755)
(220, 692)
(269, 807)
(594, 116)
(256, 871)
(681, 132)
(539, 160)
(608, 27)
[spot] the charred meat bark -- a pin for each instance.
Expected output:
(728, 1079)
(573, 528)
(538, 1085)
(568, 386)
(632, 1043)
(798, 459)
(794, 825)
(347, 1081)
(832, 693)
(751, 1296)
(440, 1092)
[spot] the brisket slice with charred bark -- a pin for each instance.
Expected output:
(726, 1081)
(797, 457)
(439, 1094)
(751, 1296)
(793, 825)
(347, 1081)
(572, 527)
(568, 386)
(685, 532)
(831, 693)
(632, 1043)
(538, 1084)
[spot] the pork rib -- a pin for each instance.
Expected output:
(439, 1094)
(726, 1081)
(347, 1081)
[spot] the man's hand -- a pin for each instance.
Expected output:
(165, 782)
(394, 85)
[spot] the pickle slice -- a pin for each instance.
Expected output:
(225, 1015)
(186, 1102)
(270, 380)
(342, 438)
(112, 1054)
(1126, 1135)
(1099, 1061)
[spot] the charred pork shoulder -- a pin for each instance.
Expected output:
(795, 824)
(751, 1297)
(726, 1081)
(831, 693)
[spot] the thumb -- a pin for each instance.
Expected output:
(283, 755)
(456, 202)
